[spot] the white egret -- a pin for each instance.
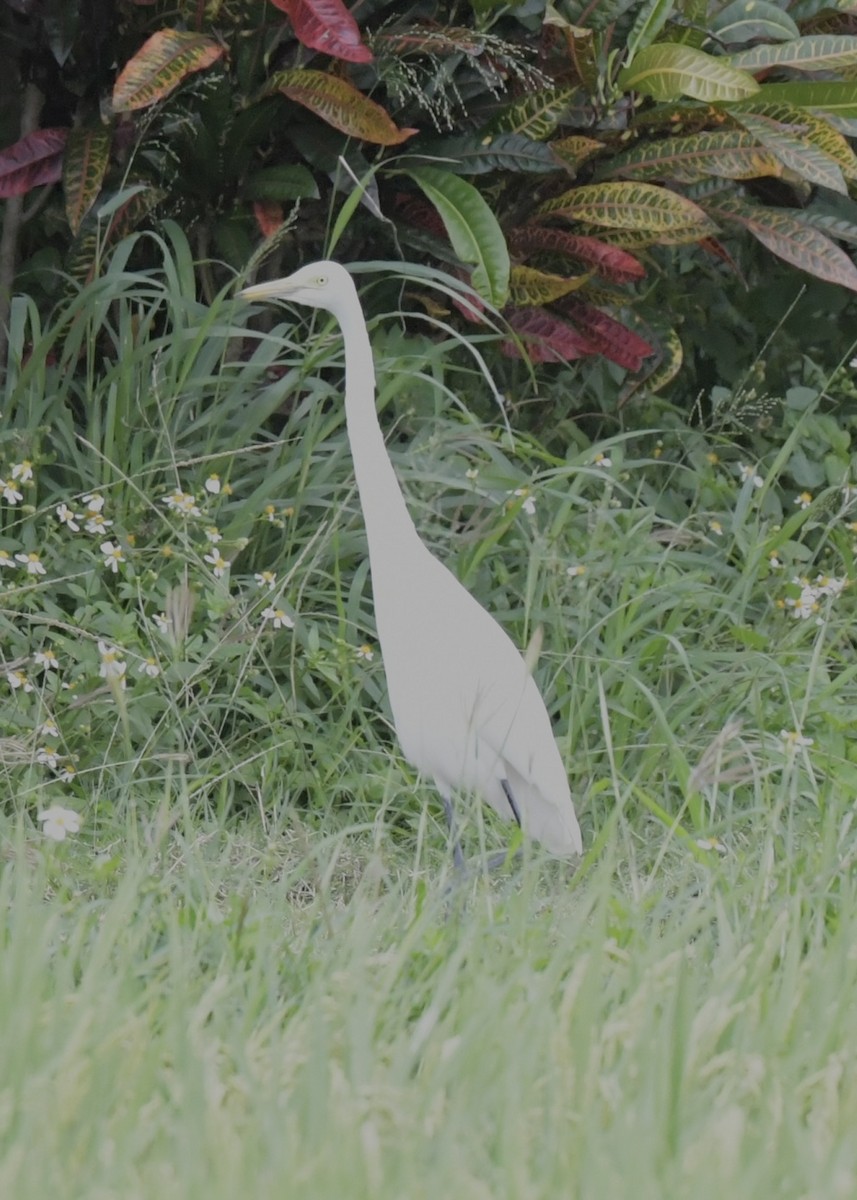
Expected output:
(466, 709)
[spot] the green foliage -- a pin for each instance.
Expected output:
(517, 118)
(232, 938)
(185, 590)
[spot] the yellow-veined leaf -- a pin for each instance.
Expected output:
(668, 70)
(820, 52)
(792, 240)
(726, 153)
(808, 125)
(637, 206)
(529, 287)
(671, 359)
(341, 105)
(87, 154)
(798, 154)
(160, 65)
(576, 149)
(477, 154)
(536, 116)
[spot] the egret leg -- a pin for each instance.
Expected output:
(510, 796)
(457, 856)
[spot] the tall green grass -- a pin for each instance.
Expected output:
(253, 971)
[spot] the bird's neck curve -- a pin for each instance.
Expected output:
(388, 522)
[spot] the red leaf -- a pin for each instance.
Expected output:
(419, 213)
(269, 216)
(34, 160)
(547, 338)
(328, 26)
(611, 262)
(609, 336)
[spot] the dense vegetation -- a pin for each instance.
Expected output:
(606, 174)
(235, 958)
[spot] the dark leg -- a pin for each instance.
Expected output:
(457, 856)
(510, 796)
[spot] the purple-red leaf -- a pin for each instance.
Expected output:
(34, 160)
(609, 336)
(611, 262)
(546, 338)
(326, 25)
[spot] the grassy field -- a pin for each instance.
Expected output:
(249, 968)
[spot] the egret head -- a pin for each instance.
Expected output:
(319, 285)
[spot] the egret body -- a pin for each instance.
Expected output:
(466, 709)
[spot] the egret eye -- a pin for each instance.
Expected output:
(321, 281)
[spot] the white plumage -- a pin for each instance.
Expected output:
(466, 709)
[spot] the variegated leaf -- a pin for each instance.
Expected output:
(809, 126)
(794, 241)
(341, 105)
(536, 116)
(87, 155)
(727, 153)
(668, 70)
(576, 149)
(821, 52)
(529, 287)
(638, 206)
(328, 26)
(797, 153)
(609, 261)
(34, 160)
(546, 337)
(160, 65)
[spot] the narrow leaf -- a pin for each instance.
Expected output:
(34, 160)
(650, 20)
(668, 70)
(809, 126)
(836, 97)
(536, 116)
(341, 105)
(328, 26)
(576, 149)
(749, 20)
(820, 52)
(472, 228)
(475, 154)
(794, 241)
(796, 153)
(671, 359)
(726, 153)
(638, 206)
(529, 287)
(160, 65)
(613, 339)
(86, 157)
(609, 261)
(546, 337)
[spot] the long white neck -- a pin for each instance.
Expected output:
(388, 522)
